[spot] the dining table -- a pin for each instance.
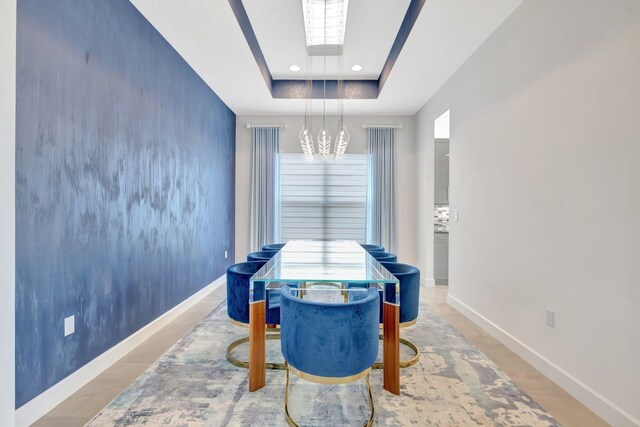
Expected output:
(342, 265)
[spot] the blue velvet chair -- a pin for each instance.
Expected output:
(372, 248)
(238, 283)
(273, 247)
(329, 343)
(384, 256)
(409, 278)
(261, 255)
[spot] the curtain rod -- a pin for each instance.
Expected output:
(265, 125)
(364, 126)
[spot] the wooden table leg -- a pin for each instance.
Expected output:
(257, 345)
(391, 348)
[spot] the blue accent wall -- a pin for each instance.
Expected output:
(125, 169)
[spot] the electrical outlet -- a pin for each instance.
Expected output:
(69, 325)
(551, 318)
(455, 216)
(225, 254)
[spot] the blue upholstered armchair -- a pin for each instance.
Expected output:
(238, 283)
(372, 248)
(409, 278)
(273, 247)
(384, 256)
(329, 343)
(261, 256)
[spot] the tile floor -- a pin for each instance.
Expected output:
(89, 400)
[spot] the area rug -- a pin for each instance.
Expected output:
(192, 384)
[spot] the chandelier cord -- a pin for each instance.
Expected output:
(341, 90)
(324, 94)
(324, 73)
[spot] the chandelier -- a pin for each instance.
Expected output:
(320, 43)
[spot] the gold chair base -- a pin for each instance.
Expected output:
(290, 420)
(403, 363)
(245, 364)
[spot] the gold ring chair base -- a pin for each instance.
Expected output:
(404, 363)
(281, 366)
(327, 380)
(245, 364)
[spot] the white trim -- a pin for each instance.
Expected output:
(265, 125)
(398, 126)
(33, 410)
(430, 282)
(593, 400)
(8, 23)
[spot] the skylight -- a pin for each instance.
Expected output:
(321, 40)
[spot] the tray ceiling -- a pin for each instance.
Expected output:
(208, 36)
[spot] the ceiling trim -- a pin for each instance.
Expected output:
(301, 89)
(410, 18)
(250, 36)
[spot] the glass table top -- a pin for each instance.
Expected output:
(319, 263)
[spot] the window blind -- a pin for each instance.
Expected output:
(323, 200)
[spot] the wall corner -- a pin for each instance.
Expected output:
(8, 20)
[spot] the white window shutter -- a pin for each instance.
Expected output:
(323, 200)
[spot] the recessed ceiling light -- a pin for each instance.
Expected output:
(356, 68)
(294, 68)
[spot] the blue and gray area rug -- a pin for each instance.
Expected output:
(192, 384)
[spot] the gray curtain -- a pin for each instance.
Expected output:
(380, 192)
(265, 188)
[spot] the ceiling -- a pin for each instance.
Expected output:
(279, 27)
(207, 35)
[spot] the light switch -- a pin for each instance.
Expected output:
(551, 317)
(455, 216)
(69, 325)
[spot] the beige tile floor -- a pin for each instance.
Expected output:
(90, 399)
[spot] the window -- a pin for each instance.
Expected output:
(323, 200)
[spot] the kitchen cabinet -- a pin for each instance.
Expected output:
(441, 258)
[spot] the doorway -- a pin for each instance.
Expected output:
(441, 200)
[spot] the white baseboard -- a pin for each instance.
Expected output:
(33, 410)
(431, 282)
(609, 411)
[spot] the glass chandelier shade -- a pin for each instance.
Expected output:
(342, 140)
(324, 143)
(306, 142)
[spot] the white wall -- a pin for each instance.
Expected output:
(545, 172)
(7, 208)
(406, 209)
